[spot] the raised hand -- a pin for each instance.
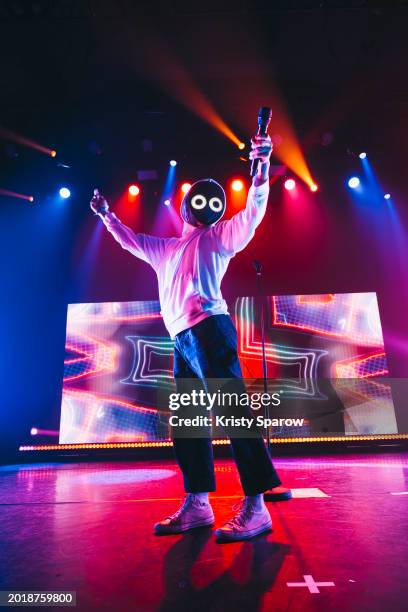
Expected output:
(98, 203)
(261, 148)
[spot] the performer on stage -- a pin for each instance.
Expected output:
(189, 271)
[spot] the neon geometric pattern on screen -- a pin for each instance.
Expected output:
(347, 342)
(347, 316)
(81, 412)
(300, 364)
(146, 368)
(117, 353)
(369, 366)
(87, 356)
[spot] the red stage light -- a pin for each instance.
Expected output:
(289, 184)
(134, 190)
(185, 187)
(237, 185)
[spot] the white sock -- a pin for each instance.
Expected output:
(202, 497)
(257, 501)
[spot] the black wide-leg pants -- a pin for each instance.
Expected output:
(209, 350)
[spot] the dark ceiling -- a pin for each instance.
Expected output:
(76, 73)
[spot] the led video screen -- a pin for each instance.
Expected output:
(326, 352)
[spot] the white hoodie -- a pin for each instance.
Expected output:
(190, 268)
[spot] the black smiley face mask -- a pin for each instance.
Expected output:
(203, 203)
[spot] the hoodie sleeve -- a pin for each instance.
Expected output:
(234, 235)
(148, 248)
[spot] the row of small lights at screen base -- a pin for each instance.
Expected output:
(236, 185)
(220, 442)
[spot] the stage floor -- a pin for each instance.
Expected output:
(88, 528)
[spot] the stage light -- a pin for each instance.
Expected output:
(34, 431)
(354, 182)
(173, 162)
(14, 194)
(64, 193)
(241, 145)
(237, 185)
(167, 202)
(289, 184)
(363, 155)
(9, 135)
(185, 187)
(313, 187)
(387, 196)
(133, 190)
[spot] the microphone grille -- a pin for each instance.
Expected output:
(265, 113)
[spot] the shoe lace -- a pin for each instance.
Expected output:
(244, 511)
(187, 501)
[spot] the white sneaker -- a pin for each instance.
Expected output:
(193, 513)
(248, 523)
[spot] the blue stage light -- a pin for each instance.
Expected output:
(354, 182)
(173, 162)
(167, 202)
(387, 196)
(64, 192)
(363, 155)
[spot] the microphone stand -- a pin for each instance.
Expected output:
(258, 269)
(278, 493)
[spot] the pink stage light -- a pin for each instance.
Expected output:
(51, 433)
(289, 184)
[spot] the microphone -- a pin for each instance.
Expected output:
(98, 204)
(264, 117)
